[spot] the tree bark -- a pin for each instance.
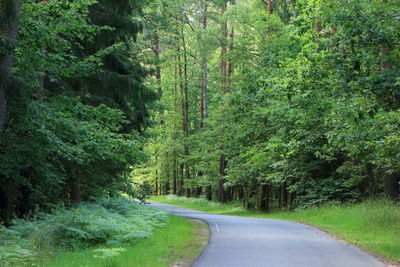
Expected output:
(156, 50)
(204, 73)
(269, 6)
(231, 68)
(392, 185)
(174, 176)
(183, 84)
(284, 195)
(6, 61)
(224, 88)
(186, 113)
(264, 198)
(224, 65)
(209, 193)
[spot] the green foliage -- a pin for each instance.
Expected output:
(310, 110)
(76, 94)
(112, 221)
(179, 240)
(83, 139)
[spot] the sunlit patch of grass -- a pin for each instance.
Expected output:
(373, 225)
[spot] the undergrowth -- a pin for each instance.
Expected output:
(110, 221)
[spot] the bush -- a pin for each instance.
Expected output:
(105, 221)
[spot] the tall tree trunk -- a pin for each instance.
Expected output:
(186, 107)
(156, 50)
(392, 177)
(224, 88)
(204, 74)
(224, 63)
(9, 32)
(231, 68)
(183, 84)
(157, 180)
(175, 134)
(204, 83)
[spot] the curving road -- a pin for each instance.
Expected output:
(255, 242)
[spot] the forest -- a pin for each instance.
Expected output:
(277, 103)
(274, 104)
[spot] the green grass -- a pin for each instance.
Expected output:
(373, 225)
(179, 240)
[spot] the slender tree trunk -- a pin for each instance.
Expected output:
(156, 184)
(224, 88)
(181, 183)
(6, 61)
(224, 63)
(157, 180)
(209, 193)
(284, 195)
(167, 187)
(186, 112)
(176, 183)
(293, 197)
(221, 188)
(264, 199)
(240, 192)
(231, 68)
(204, 73)
(156, 50)
(174, 177)
(369, 170)
(184, 105)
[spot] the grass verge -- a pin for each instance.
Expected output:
(373, 225)
(176, 244)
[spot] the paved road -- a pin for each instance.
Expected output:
(255, 242)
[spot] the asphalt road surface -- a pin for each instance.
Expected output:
(255, 242)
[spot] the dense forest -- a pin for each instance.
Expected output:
(276, 103)
(284, 103)
(73, 102)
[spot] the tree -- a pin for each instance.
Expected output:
(9, 11)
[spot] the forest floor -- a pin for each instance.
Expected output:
(373, 225)
(175, 245)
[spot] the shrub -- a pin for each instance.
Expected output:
(104, 221)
